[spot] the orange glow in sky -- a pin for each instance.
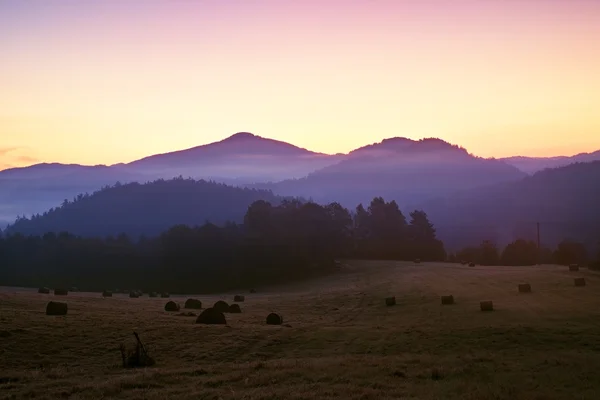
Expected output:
(106, 82)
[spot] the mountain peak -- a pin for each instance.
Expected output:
(242, 136)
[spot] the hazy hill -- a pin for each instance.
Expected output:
(534, 164)
(406, 170)
(239, 159)
(145, 209)
(564, 200)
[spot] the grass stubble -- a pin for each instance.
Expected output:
(338, 341)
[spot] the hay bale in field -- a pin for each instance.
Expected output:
(417, 261)
(171, 306)
(252, 290)
(210, 316)
(447, 300)
(486, 306)
(274, 319)
(165, 295)
(56, 308)
(107, 293)
(524, 288)
(471, 264)
(44, 290)
(579, 282)
(153, 294)
(390, 301)
(61, 292)
(221, 306)
(74, 289)
(133, 295)
(235, 309)
(239, 298)
(193, 303)
(573, 267)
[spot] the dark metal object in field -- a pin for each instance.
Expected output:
(390, 301)
(446, 300)
(579, 282)
(486, 306)
(138, 357)
(524, 288)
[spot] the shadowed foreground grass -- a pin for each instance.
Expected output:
(340, 340)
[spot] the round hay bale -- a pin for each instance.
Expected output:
(524, 288)
(574, 267)
(171, 306)
(61, 292)
(486, 306)
(390, 301)
(210, 316)
(44, 290)
(579, 282)
(56, 308)
(252, 290)
(107, 293)
(165, 295)
(235, 309)
(239, 298)
(74, 289)
(417, 261)
(193, 303)
(221, 306)
(133, 295)
(153, 294)
(471, 264)
(274, 319)
(447, 300)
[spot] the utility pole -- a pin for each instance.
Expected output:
(538, 244)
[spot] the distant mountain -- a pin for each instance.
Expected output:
(532, 165)
(145, 209)
(241, 156)
(564, 200)
(405, 170)
(237, 160)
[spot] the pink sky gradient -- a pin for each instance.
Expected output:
(112, 81)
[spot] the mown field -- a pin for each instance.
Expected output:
(340, 340)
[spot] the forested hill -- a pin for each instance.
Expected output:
(145, 209)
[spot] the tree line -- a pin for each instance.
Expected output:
(275, 243)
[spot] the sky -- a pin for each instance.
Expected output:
(103, 82)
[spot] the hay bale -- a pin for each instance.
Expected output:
(107, 293)
(74, 289)
(221, 306)
(56, 308)
(274, 319)
(235, 309)
(524, 288)
(573, 267)
(165, 295)
(193, 303)
(471, 264)
(153, 294)
(171, 306)
(44, 290)
(447, 300)
(133, 295)
(390, 301)
(61, 292)
(417, 261)
(239, 298)
(486, 306)
(252, 290)
(210, 316)
(579, 282)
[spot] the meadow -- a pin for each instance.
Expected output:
(338, 341)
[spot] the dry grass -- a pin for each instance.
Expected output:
(342, 341)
